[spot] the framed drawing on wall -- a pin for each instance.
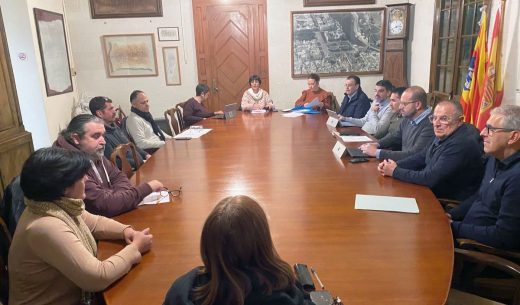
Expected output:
(336, 2)
(125, 9)
(168, 34)
(172, 70)
(129, 55)
(54, 52)
(337, 43)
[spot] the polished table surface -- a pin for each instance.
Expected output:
(365, 257)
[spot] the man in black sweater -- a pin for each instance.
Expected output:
(452, 165)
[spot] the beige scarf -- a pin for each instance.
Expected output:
(256, 96)
(69, 211)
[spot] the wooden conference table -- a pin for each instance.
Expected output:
(365, 257)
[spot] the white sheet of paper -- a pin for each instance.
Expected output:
(258, 111)
(153, 197)
(292, 114)
(356, 139)
(386, 203)
(193, 133)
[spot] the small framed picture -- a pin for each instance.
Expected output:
(168, 34)
(172, 70)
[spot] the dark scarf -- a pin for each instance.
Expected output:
(148, 117)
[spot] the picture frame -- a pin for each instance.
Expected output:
(54, 52)
(100, 9)
(129, 55)
(172, 71)
(337, 42)
(307, 3)
(168, 34)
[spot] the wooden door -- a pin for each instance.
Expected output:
(231, 43)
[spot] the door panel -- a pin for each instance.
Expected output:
(231, 44)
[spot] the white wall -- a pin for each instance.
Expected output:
(18, 29)
(87, 50)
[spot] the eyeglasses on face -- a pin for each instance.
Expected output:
(406, 103)
(491, 130)
(443, 119)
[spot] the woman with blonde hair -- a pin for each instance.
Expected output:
(241, 265)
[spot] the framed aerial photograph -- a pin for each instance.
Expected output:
(172, 71)
(337, 43)
(168, 34)
(125, 8)
(129, 55)
(53, 51)
(336, 2)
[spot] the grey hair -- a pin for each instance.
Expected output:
(458, 107)
(511, 115)
(77, 126)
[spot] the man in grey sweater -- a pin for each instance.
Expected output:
(414, 133)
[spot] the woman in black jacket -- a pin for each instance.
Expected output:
(241, 265)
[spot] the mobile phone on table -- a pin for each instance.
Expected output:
(358, 160)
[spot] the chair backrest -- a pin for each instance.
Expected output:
(173, 123)
(120, 115)
(125, 130)
(5, 243)
(120, 152)
(334, 105)
(180, 115)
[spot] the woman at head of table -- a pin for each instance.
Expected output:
(256, 98)
(52, 258)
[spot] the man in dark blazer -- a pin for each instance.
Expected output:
(355, 103)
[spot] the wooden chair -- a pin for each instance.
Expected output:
(180, 115)
(334, 105)
(120, 116)
(475, 277)
(120, 152)
(5, 242)
(171, 117)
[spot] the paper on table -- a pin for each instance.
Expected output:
(292, 114)
(315, 102)
(155, 198)
(258, 111)
(356, 139)
(386, 203)
(193, 133)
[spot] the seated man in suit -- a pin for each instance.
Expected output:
(492, 215)
(355, 103)
(452, 165)
(415, 131)
(396, 118)
(103, 108)
(314, 93)
(194, 110)
(377, 119)
(108, 191)
(141, 126)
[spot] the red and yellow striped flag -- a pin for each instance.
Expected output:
(473, 86)
(493, 83)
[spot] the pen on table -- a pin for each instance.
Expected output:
(317, 278)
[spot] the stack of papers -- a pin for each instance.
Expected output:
(192, 133)
(386, 203)
(356, 139)
(258, 111)
(155, 198)
(292, 114)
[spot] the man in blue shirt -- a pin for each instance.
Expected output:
(452, 165)
(492, 215)
(355, 103)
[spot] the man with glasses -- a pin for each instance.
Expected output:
(415, 132)
(452, 165)
(492, 215)
(377, 119)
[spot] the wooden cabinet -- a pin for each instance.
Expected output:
(15, 143)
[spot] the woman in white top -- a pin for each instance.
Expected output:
(256, 98)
